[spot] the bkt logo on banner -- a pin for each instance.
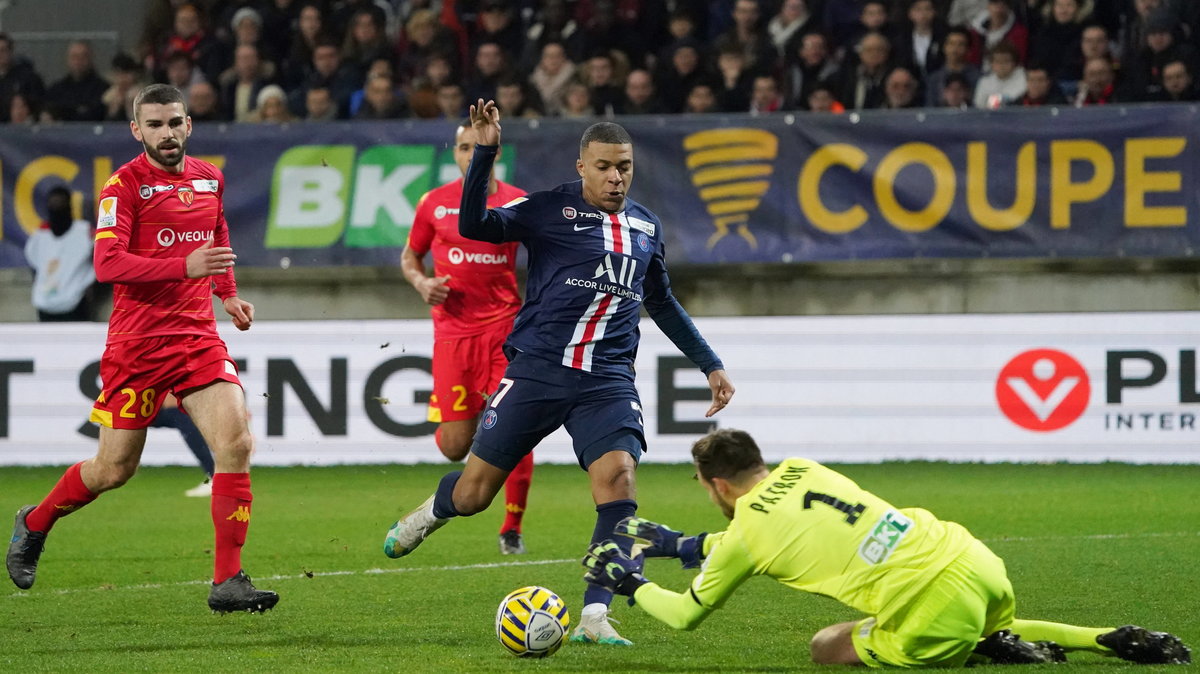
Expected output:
(1043, 390)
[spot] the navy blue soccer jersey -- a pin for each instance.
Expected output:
(589, 274)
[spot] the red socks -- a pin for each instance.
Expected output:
(231, 519)
(516, 494)
(69, 495)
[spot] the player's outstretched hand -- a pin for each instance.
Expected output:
(652, 539)
(485, 119)
(722, 391)
(610, 568)
(434, 289)
(240, 310)
(209, 261)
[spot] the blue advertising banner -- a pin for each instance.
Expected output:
(1063, 183)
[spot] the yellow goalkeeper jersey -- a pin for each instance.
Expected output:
(814, 529)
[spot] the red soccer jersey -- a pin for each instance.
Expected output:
(148, 220)
(483, 281)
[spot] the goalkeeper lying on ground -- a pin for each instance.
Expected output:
(934, 595)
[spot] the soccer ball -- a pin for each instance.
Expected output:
(532, 622)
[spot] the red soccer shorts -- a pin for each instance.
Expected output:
(136, 373)
(466, 370)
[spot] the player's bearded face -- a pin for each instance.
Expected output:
(163, 131)
(607, 171)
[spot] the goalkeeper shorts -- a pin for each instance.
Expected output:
(968, 600)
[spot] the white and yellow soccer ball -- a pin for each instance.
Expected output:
(532, 622)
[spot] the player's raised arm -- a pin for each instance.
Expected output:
(475, 221)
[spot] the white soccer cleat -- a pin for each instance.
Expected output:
(202, 490)
(595, 628)
(408, 532)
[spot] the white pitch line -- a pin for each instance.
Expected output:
(544, 562)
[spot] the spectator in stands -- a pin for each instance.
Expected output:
(127, 81)
(872, 18)
(681, 24)
(1136, 22)
(552, 23)
(576, 101)
(599, 73)
(965, 12)
(365, 41)
(241, 84)
(603, 29)
(956, 92)
(517, 100)
(22, 110)
(426, 38)
(1040, 88)
(246, 26)
(341, 18)
(793, 21)
(840, 20)
(748, 36)
(60, 254)
(180, 72)
(1143, 73)
(806, 64)
(1099, 84)
(640, 96)
(278, 17)
(77, 96)
(326, 70)
(860, 81)
(676, 77)
(187, 36)
(422, 90)
(452, 101)
(737, 80)
(701, 99)
(319, 105)
(954, 54)
(553, 73)
(1056, 43)
(1000, 24)
(765, 97)
(823, 98)
(901, 89)
(1006, 81)
(203, 103)
(498, 23)
(1178, 86)
(17, 76)
(491, 64)
(919, 44)
(309, 25)
(378, 68)
(271, 106)
(382, 100)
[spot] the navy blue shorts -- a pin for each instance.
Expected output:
(535, 397)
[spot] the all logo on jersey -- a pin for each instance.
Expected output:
(1043, 390)
(147, 191)
(569, 212)
(108, 213)
(186, 195)
(622, 275)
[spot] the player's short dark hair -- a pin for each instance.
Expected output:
(158, 94)
(726, 453)
(604, 132)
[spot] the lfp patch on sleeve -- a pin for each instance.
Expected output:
(108, 213)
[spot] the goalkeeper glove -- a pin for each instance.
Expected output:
(610, 568)
(656, 540)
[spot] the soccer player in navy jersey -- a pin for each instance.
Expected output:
(596, 258)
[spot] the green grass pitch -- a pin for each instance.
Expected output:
(122, 584)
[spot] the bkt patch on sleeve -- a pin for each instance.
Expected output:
(108, 213)
(205, 185)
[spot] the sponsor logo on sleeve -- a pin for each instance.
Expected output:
(569, 212)
(108, 213)
(641, 225)
(115, 180)
(205, 185)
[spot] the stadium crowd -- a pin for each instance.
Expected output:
(284, 60)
